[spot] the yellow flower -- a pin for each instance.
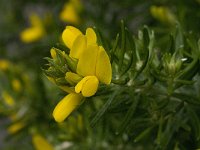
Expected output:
(70, 12)
(88, 86)
(4, 64)
(66, 106)
(8, 99)
(163, 14)
(92, 59)
(93, 67)
(34, 32)
(40, 143)
(15, 127)
(16, 85)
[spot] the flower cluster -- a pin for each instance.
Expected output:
(40, 143)
(70, 12)
(86, 65)
(163, 14)
(35, 32)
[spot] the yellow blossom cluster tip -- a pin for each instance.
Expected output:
(15, 127)
(70, 12)
(8, 99)
(40, 143)
(93, 67)
(163, 14)
(4, 64)
(34, 32)
(16, 84)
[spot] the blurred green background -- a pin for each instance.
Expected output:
(30, 28)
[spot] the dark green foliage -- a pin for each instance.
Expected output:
(152, 103)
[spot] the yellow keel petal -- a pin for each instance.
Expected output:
(88, 86)
(80, 84)
(66, 106)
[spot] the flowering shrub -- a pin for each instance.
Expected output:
(133, 85)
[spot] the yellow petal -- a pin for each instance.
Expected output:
(153, 11)
(87, 86)
(80, 84)
(91, 36)
(8, 99)
(40, 143)
(78, 46)
(66, 106)
(53, 53)
(13, 117)
(16, 85)
(77, 5)
(72, 78)
(90, 86)
(103, 67)
(69, 35)
(87, 61)
(163, 14)
(35, 20)
(70, 14)
(4, 64)
(32, 34)
(15, 127)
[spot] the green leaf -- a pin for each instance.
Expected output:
(61, 81)
(123, 45)
(178, 38)
(71, 62)
(160, 130)
(171, 48)
(101, 39)
(188, 72)
(52, 73)
(103, 110)
(145, 35)
(173, 125)
(129, 114)
(194, 121)
(114, 48)
(120, 81)
(128, 65)
(144, 134)
(132, 47)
